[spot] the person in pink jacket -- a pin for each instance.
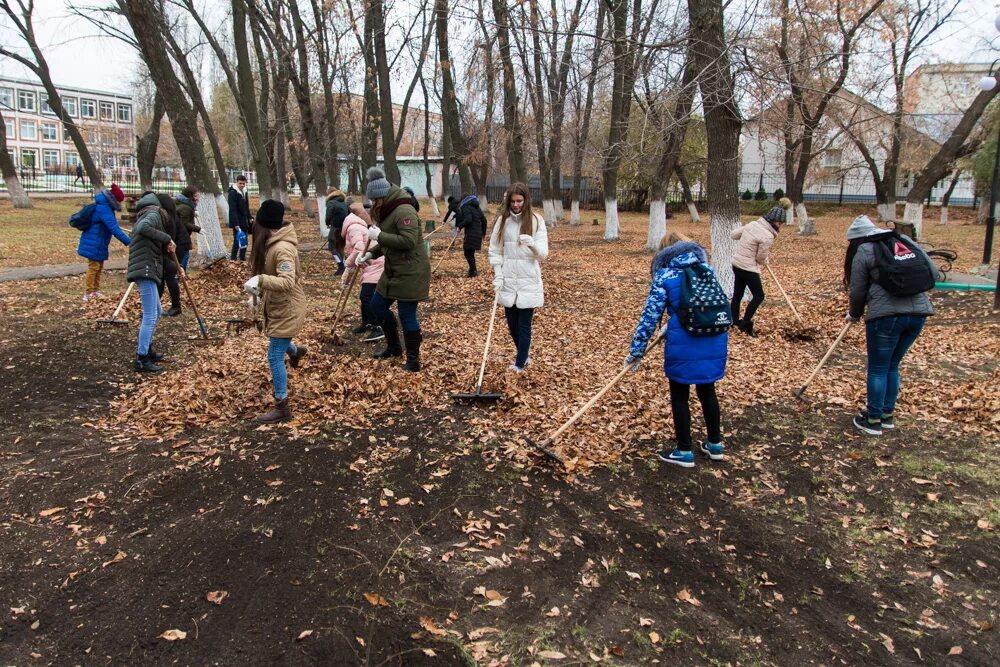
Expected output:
(753, 241)
(355, 233)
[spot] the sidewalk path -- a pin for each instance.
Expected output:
(63, 270)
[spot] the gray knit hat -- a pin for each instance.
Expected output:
(861, 227)
(378, 186)
(776, 214)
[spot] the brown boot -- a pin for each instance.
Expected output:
(281, 412)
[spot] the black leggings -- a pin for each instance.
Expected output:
(170, 278)
(745, 279)
(470, 257)
(679, 395)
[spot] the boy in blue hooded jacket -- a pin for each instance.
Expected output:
(687, 359)
(95, 240)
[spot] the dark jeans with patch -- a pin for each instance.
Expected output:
(887, 340)
(367, 316)
(681, 409)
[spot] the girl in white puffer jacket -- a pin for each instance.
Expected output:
(518, 244)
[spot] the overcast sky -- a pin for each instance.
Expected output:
(78, 56)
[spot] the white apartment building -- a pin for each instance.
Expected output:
(937, 96)
(40, 145)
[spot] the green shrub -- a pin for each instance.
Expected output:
(778, 194)
(747, 196)
(761, 195)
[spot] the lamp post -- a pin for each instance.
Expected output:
(988, 83)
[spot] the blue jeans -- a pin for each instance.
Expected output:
(277, 348)
(183, 259)
(149, 295)
(887, 341)
(379, 306)
(519, 323)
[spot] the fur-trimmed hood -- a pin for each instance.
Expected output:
(666, 257)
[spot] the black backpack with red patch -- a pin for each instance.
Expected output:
(903, 270)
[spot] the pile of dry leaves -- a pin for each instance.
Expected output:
(594, 294)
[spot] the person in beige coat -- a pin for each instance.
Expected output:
(277, 280)
(753, 241)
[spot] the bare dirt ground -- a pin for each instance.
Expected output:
(387, 525)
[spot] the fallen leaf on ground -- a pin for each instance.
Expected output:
(216, 597)
(173, 635)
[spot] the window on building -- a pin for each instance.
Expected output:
(127, 161)
(29, 157)
(10, 129)
(29, 130)
(831, 158)
(107, 111)
(26, 101)
(44, 104)
(72, 159)
(7, 98)
(50, 132)
(13, 157)
(124, 113)
(50, 159)
(69, 104)
(88, 108)
(66, 138)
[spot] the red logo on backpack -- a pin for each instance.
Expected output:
(902, 253)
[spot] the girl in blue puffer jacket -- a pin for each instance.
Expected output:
(95, 240)
(687, 359)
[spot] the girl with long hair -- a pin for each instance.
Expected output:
(277, 279)
(518, 244)
(171, 280)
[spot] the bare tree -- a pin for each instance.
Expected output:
(815, 66)
(148, 25)
(147, 143)
(21, 14)
(581, 133)
(449, 101)
(18, 196)
(376, 15)
(723, 123)
(511, 120)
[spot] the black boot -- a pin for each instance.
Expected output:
(392, 346)
(174, 288)
(300, 351)
(747, 328)
(413, 340)
(143, 364)
(153, 355)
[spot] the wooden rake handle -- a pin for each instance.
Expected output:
(784, 294)
(589, 404)
(826, 356)
(342, 304)
(486, 349)
(445, 254)
(190, 296)
(121, 304)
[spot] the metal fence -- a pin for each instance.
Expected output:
(845, 189)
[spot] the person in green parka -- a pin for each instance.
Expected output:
(406, 279)
(149, 244)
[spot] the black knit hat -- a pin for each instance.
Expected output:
(776, 214)
(271, 214)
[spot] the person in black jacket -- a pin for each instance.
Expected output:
(336, 212)
(470, 218)
(452, 210)
(239, 214)
(173, 226)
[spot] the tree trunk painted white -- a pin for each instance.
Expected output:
(944, 215)
(210, 243)
(657, 224)
(914, 214)
(324, 231)
(723, 248)
(610, 219)
(790, 217)
(574, 212)
(693, 212)
(548, 213)
(223, 205)
(887, 212)
(307, 204)
(807, 226)
(560, 211)
(18, 196)
(435, 211)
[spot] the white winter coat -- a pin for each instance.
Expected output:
(518, 263)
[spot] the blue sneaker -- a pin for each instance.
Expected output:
(714, 450)
(678, 457)
(866, 425)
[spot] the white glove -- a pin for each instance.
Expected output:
(849, 318)
(527, 240)
(252, 302)
(362, 262)
(373, 233)
(633, 363)
(497, 282)
(252, 286)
